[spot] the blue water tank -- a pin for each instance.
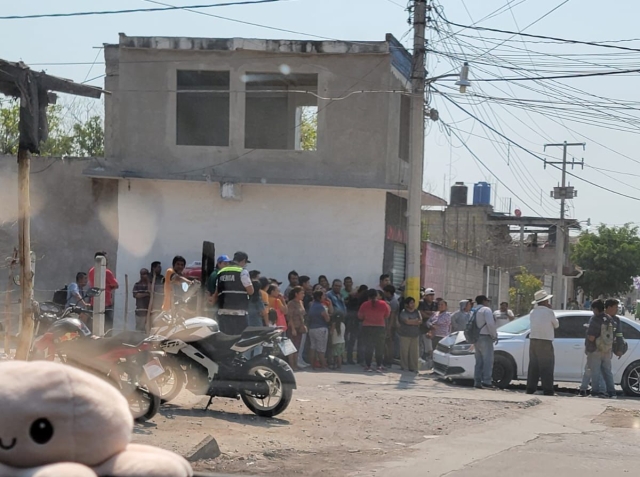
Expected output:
(482, 193)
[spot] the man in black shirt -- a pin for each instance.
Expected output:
(601, 334)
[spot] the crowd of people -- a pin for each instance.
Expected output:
(330, 323)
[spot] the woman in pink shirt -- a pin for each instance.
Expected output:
(373, 314)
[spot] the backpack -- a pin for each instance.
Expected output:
(604, 342)
(472, 331)
(60, 296)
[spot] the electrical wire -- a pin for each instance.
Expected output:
(535, 155)
(133, 10)
(529, 35)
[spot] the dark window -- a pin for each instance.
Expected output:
(202, 110)
(629, 331)
(405, 124)
(279, 113)
(572, 327)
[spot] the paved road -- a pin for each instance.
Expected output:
(564, 436)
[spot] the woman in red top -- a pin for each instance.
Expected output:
(373, 313)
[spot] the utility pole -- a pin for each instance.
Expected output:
(33, 88)
(563, 193)
(416, 148)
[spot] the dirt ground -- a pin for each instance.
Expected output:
(337, 422)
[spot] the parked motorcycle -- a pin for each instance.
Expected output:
(130, 361)
(214, 364)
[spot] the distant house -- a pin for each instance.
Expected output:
(293, 151)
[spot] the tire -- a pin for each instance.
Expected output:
(277, 375)
(143, 397)
(152, 401)
(171, 383)
(503, 371)
(631, 380)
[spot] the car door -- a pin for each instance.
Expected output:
(568, 346)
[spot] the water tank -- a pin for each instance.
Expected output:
(459, 193)
(482, 193)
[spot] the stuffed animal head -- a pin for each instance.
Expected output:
(54, 413)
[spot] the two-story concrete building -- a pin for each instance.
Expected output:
(293, 151)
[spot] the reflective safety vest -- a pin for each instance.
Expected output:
(232, 295)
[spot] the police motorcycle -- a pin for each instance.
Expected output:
(208, 362)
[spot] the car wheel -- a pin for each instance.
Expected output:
(503, 371)
(631, 380)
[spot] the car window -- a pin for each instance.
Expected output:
(572, 327)
(629, 331)
(517, 326)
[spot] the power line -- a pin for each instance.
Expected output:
(244, 22)
(134, 10)
(534, 154)
(529, 35)
(475, 156)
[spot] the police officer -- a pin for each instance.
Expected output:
(232, 295)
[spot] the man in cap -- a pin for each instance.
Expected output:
(541, 355)
(427, 308)
(232, 295)
(483, 373)
(460, 318)
(221, 262)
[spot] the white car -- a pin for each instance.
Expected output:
(454, 357)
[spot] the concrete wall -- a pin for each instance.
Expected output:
(331, 231)
(72, 217)
(357, 137)
(455, 276)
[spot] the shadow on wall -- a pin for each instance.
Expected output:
(73, 216)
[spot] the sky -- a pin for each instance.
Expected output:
(457, 143)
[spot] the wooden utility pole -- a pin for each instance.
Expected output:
(563, 193)
(33, 89)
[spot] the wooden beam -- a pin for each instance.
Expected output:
(24, 247)
(10, 72)
(61, 85)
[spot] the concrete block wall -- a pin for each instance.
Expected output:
(73, 216)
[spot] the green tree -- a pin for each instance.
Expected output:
(610, 259)
(522, 294)
(9, 119)
(89, 137)
(309, 129)
(76, 139)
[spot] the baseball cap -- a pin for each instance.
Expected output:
(429, 291)
(240, 256)
(223, 258)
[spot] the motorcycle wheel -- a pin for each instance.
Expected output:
(279, 396)
(143, 397)
(171, 382)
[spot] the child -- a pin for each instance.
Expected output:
(337, 340)
(273, 318)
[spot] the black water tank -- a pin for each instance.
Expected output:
(459, 193)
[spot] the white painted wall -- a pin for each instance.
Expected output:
(314, 230)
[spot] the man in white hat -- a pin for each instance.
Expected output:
(541, 355)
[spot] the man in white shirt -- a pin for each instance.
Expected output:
(483, 373)
(541, 355)
(504, 315)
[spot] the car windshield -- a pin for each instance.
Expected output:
(517, 326)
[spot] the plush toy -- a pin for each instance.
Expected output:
(58, 421)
